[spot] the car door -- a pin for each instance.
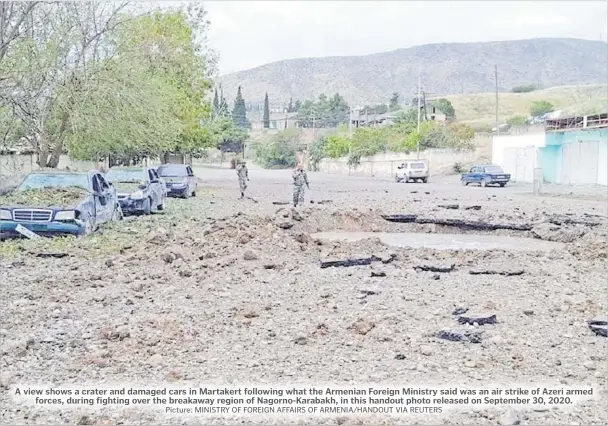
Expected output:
(98, 210)
(191, 179)
(158, 186)
(474, 176)
(106, 200)
(153, 188)
(161, 184)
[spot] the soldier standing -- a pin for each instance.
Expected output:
(299, 180)
(243, 174)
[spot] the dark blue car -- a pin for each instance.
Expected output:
(179, 178)
(486, 175)
(67, 203)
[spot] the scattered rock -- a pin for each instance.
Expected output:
(589, 365)
(473, 208)
(370, 291)
(400, 357)
(245, 239)
(435, 267)
(435, 277)
(378, 274)
(250, 255)
(349, 262)
(283, 223)
(450, 206)
(302, 238)
(251, 314)
(528, 312)
(460, 336)
(6, 379)
(478, 319)
(295, 215)
(506, 272)
(511, 417)
(155, 359)
(362, 326)
(460, 311)
(426, 350)
(301, 340)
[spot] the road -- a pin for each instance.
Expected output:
(228, 291)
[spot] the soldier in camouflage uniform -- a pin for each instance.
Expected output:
(243, 174)
(299, 180)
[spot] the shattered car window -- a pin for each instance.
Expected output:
(54, 180)
(126, 176)
(172, 170)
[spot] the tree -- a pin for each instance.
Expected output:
(296, 106)
(393, 104)
(266, 112)
(445, 106)
(239, 112)
(525, 88)
(325, 112)
(539, 108)
(216, 103)
(223, 105)
(337, 146)
(229, 137)
(290, 106)
(281, 151)
(517, 120)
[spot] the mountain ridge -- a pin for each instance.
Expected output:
(446, 69)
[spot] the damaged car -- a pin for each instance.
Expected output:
(180, 180)
(140, 190)
(58, 203)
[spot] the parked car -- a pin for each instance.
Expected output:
(486, 175)
(139, 189)
(179, 178)
(56, 203)
(411, 171)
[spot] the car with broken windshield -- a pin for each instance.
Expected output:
(485, 175)
(179, 178)
(139, 189)
(58, 203)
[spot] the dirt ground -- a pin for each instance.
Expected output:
(227, 291)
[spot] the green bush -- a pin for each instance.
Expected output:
(525, 88)
(280, 152)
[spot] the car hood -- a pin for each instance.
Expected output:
(175, 179)
(45, 198)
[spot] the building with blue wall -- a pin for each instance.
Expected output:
(575, 151)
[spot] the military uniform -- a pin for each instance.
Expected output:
(299, 180)
(243, 174)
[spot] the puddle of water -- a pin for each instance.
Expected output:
(445, 241)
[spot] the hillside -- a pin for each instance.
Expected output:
(480, 108)
(448, 68)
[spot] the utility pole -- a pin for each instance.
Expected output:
(350, 130)
(313, 126)
(496, 80)
(418, 126)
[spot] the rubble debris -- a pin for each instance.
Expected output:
(362, 326)
(349, 262)
(565, 220)
(378, 274)
(599, 326)
(458, 223)
(460, 311)
(400, 218)
(476, 225)
(449, 206)
(49, 255)
(281, 203)
(400, 357)
(472, 208)
(480, 320)
(551, 232)
(528, 312)
(506, 272)
(460, 336)
(370, 291)
(434, 268)
(435, 277)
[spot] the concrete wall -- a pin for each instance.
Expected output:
(500, 142)
(441, 161)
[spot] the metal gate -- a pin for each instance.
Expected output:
(519, 163)
(579, 163)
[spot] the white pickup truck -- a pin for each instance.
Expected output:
(411, 171)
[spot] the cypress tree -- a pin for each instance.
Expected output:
(266, 112)
(290, 106)
(239, 112)
(216, 103)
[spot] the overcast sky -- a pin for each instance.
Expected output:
(251, 33)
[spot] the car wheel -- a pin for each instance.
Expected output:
(425, 180)
(397, 179)
(161, 206)
(406, 179)
(89, 226)
(484, 183)
(464, 182)
(502, 184)
(194, 193)
(147, 206)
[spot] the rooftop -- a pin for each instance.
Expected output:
(577, 123)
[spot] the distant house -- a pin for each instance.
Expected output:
(374, 120)
(433, 113)
(278, 121)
